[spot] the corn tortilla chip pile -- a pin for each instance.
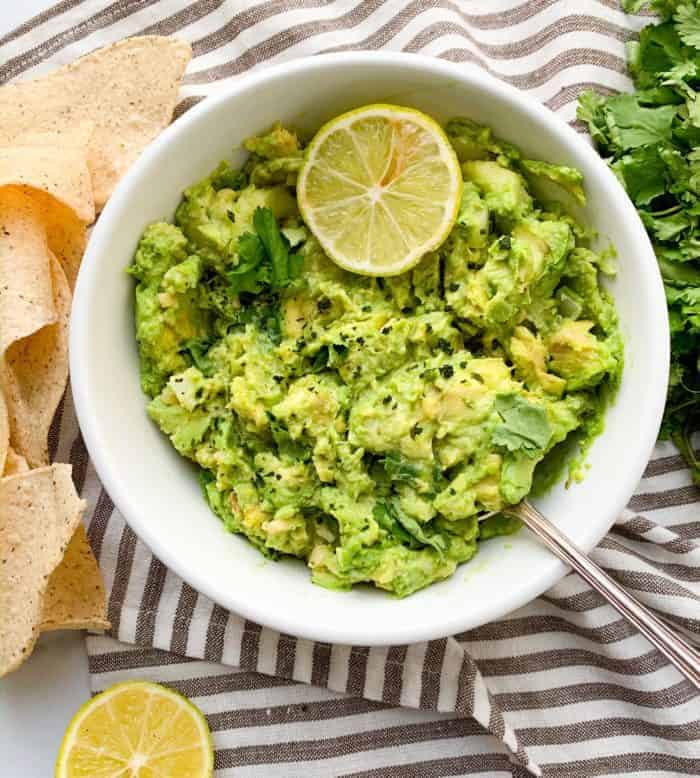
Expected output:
(30, 551)
(65, 140)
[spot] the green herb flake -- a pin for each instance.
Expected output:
(524, 426)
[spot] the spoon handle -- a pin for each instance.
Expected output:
(669, 643)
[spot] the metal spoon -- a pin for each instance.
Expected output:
(657, 632)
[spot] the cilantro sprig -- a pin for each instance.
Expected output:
(651, 139)
(264, 259)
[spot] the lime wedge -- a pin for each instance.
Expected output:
(380, 187)
(136, 729)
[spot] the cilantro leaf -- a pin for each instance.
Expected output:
(687, 302)
(666, 227)
(386, 518)
(275, 245)
(250, 274)
(643, 172)
(406, 529)
(251, 253)
(197, 349)
(295, 263)
(591, 110)
(674, 270)
(632, 125)
(659, 51)
(524, 426)
(415, 529)
(263, 257)
(687, 18)
(398, 469)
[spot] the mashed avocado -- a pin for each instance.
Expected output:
(364, 424)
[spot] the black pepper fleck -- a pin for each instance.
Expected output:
(445, 346)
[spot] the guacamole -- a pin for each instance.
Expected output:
(364, 424)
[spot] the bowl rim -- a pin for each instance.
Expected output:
(89, 421)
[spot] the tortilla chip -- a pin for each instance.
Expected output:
(39, 513)
(34, 373)
(4, 435)
(75, 598)
(52, 169)
(30, 332)
(60, 171)
(128, 90)
(77, 137)
(14, 462)
(65, 232)
(26, 289)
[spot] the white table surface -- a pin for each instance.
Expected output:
(38, 700)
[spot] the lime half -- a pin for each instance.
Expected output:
(381, 186)
(136, 729)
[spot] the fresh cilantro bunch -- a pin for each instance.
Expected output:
(652, 141)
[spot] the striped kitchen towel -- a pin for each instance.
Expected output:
(561, 687)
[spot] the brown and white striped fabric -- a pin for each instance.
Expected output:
(562, 687)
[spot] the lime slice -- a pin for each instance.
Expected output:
(136, 730)
(380, 187)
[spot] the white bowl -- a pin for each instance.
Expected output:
(157, 491)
